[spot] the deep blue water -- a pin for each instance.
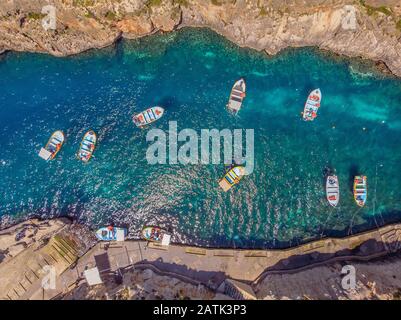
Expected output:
(190, 73)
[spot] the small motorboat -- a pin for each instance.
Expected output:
(156, 234)
(111, 233)
(148, 116)
(360, 190)
(232, 177)
(237, 96)
(87, 146)
(312, 105)
(332, 190)
(53, 146)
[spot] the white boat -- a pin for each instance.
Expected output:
(332, 190)
(87, 146)
(148, 116)
(237, 96)
(232, 177)
(111, 233)
(312, 105)
(53, 146)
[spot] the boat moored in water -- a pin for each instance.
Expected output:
(156, 234)
(53, 146)
(312, 105)
(237, 96)
(232, 177)
(111, 233)
(332, 190)
(87, 146)
(360, 190)
(148, 116)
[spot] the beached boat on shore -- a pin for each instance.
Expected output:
(156, 234)
(87, 146)
(312, 105)
(232, 177)
(360, 190)
(148, 116)
(237, 96)
(332, 190)
(111, 233)
(53, 146)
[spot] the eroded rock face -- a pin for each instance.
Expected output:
(142, 285)
(371, 30)
(374, 280)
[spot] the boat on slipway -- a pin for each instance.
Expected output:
(87, 146)
(111, 233)
(237, 96)
(360, 190)
(148, 116)
(53, 146)
(332, 190)
(312, 105)
(156, 234)
(232, 177)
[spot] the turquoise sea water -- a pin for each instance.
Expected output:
(190, 73)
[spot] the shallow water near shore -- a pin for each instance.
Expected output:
(190, 73)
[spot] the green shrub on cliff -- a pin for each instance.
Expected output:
(83, 3)
(262, 12)
(153, 3)
(35, 16)
(371, 10)
(183, 3)
(216, 2)
(110, 15)
(398, 25)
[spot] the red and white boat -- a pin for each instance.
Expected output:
(312, 105)
(237, 96)
(148, 116)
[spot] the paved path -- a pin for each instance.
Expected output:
(212, 266)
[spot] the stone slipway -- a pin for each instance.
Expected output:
(192, 264)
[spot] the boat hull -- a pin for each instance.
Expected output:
(156, 235)
(231, 178)
(360, 190)
(87, 146)
(153, 234)
(332, 190)
(148, 116)
(312, 105)
(53, 146)
(237, 96)
(110, 234)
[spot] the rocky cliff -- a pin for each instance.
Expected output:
(358, 28)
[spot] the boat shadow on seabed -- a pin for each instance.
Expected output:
(353, 172)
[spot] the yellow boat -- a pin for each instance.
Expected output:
(232, 177)
(53, 146)
(360, 190)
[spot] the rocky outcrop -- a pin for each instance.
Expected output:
(139, 284)
(17, 238)
(380, 279)
(369, 29)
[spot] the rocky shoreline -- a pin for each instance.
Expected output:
(357, 28)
